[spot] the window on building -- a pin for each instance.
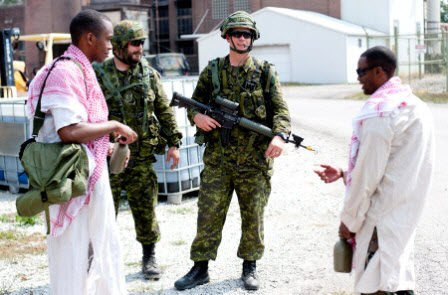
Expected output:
(164, 47)
(163, 11)
(184, 26)
(220, 9)
(164, 29)
(241, 5)
(184, 8)
(186, 47)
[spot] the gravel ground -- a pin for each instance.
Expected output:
(301, 222)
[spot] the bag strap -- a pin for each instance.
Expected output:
(214, 66)
(39, 116)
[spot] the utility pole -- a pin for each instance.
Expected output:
(157, 27)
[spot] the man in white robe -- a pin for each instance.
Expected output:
(83, 245)
(388, 178)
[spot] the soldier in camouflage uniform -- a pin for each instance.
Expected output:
(240, 160)
(135, 95)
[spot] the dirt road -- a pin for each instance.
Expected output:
(300, 225)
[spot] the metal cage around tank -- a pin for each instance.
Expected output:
(15, 128)
(186, 177)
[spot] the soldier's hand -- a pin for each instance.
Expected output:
(173, 154)
(205, 122)
(125, 133)
(275, 148)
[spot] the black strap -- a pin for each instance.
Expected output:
(39, 116)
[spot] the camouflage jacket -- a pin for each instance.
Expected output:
(256, 87)
(137, 99)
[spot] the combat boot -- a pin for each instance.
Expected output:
(249, 276)
(198, 275)
(150, 269)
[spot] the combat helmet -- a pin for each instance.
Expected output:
(239, 19)
(126, 31)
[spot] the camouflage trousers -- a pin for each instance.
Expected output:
(217, 185)
(140, 183)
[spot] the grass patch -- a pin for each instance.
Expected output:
(298, 84)
(27, 221)
(181, 210)
(358, 96)
(178, 242)
(21, 221)
(432, 97)
(15, 245)
(8, 235)
(133, 263)
(7, 218)
(424, 95)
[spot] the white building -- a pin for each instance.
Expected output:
(309, 47)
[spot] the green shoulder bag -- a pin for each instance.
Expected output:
(57, 172)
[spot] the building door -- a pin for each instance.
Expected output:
(279, 55)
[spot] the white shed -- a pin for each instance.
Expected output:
(304, 46)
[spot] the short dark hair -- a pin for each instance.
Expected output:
(87, 21)
(383, 57)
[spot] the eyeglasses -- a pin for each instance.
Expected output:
(238, 34)
(137, 43)
(362, 71)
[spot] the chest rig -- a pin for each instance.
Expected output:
(252, 98)
(142, 78)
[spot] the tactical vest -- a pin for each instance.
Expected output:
(133, 104)
(255, 101)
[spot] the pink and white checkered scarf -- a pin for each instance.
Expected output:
(391, 96)
(66, 80)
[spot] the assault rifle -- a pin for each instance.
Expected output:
(227, 116)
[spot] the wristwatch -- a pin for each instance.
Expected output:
(283, 136)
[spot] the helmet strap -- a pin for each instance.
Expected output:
(120, 58)
(248, 49)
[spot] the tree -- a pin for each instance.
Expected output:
(443, 11)
(10, 2)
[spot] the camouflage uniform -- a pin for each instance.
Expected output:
(133, 98)
(241, 164)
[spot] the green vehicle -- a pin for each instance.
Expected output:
(169, 64)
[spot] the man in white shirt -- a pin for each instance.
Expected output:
(388, 178)
(84, 254)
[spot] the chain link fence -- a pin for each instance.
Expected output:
(422, 59)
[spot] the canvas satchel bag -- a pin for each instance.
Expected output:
(57, 172)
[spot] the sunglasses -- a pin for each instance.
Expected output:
(362, 71)
(238, 34)
(137, 43)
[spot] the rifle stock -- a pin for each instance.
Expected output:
(181, 101)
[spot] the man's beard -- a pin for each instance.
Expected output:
(130, 60)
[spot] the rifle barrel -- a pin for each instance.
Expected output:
(251, 125)
(183, 101)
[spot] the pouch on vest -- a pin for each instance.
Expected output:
(57, 172)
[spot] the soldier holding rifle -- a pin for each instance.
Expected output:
(236, 159)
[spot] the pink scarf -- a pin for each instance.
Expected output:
(391, 96)
(65, 80)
